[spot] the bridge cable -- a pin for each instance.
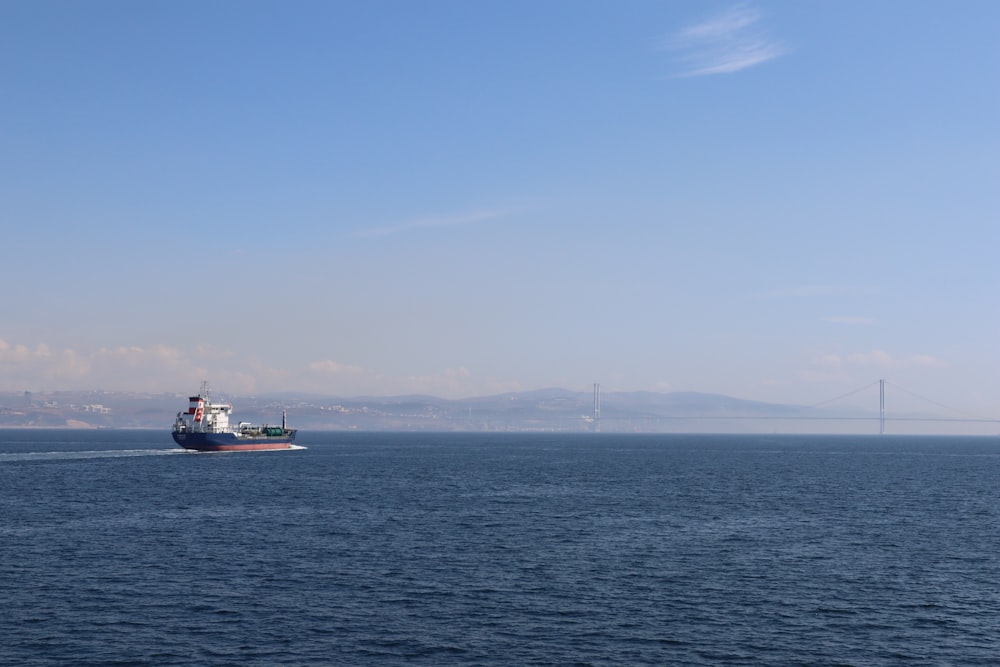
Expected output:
(940, 405)
(837, 398)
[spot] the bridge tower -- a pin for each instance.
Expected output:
(881, 407)
(597, 407)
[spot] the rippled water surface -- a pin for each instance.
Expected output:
(117, 549)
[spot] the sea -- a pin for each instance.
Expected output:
(116, 548)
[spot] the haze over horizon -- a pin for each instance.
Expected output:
(775, 201)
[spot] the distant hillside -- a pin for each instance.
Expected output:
(551, 409)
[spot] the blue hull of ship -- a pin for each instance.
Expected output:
(229, 442)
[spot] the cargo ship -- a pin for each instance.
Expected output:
(205, 428)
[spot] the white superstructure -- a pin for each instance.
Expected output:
(203, 416)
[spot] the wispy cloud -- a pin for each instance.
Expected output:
(435, 221)
(24, 366)
(817, 291)
(448, 382)
(723, 44)
(850, 320)
(331, 367)
(829, 361)
(158, 368)
(331, 377)
(126, 368)
(877, 359)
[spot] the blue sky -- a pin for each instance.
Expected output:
(780, 201)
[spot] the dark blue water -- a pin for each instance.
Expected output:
(500, 550)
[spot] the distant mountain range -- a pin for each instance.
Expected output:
(556, 410)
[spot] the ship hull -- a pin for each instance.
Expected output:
(230, 442)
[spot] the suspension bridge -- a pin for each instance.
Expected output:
(945, 416)
(961, 415)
